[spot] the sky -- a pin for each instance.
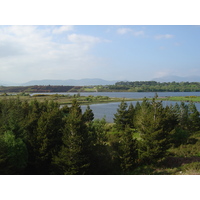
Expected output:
(110, 52)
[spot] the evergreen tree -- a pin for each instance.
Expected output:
(48, 139)
(88, 115)
(128, 151)
(137, 106)
(194, 118)
(183, 116)
(155, 133)
(131, 115)
(73, 158)
(100, 158)
(121, 118)
(3, 157)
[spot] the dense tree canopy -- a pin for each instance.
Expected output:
(152, 86)
(42, 138)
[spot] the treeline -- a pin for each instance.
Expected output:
(153, 86)
(42, 138)
(36, 88)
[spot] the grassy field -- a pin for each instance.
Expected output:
(184, 98)
(67, 99)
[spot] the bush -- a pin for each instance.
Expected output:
(187, 150)
(179, 136)
(191, 169)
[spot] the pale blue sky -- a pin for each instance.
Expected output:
(96, 51)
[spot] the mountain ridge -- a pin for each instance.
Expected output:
(71, 82)
(96, 81)
(79, 82)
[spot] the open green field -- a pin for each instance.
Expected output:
(184, 98)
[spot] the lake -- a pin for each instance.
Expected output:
(108, 110)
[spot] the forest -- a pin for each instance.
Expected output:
(152, 86)
(42, 138)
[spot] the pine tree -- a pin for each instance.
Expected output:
(194, 118)
(100, 158)
(137, 106)
(183, 116)
(48, 139)
(73, 158)
(121, 118)
(155, 133)
(88, 115)
(128, 151)
(131, 115)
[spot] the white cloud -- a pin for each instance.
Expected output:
(166, 36)
(138, 33)
(83, 39)
(31, 52)
(123, 31)
(62, 29)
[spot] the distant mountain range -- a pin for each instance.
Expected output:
(97, 81)
(70, 82)
(177, 79)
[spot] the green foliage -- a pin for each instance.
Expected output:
(88, 115)
(179, 136)
(42, 138)
(128, 151)
(153, 86)
(194, 118)
(17, 155)
(48, 139)
(73, 156)
(155, 132)
(122, 117)
(131, 115)
(187, 150)
(191, 169)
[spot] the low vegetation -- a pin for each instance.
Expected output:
(62, 99)
(184, 98)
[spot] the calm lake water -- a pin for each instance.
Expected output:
(108, 110)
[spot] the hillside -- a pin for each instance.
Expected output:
(81, 82)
